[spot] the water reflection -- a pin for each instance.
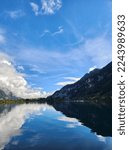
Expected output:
(98, 118)
(71, 122)
(40, 126)
(12, 121)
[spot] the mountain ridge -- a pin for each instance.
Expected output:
(94, 87)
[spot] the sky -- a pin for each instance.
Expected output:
(46, 44)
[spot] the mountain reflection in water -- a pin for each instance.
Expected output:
(98, 118)
(40, 126)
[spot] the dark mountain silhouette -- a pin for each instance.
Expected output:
(94, 87)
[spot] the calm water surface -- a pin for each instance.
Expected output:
(41, 127)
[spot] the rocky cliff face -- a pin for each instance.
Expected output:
(94, 87)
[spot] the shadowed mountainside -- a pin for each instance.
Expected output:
(94, 87)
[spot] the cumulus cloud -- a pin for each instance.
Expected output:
(47, 7)
(69, 80)
(15, 14)
(13, 81)
(11, 122)
(50, 6)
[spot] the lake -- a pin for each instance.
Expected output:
(42, 127)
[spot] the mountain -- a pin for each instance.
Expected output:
(5, 94)
(2, 94)
(89, 100)
(94, 87)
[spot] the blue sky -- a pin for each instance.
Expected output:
(54, 42)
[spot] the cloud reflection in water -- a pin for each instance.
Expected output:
(11, 122)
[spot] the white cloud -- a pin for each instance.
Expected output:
(21, 68)
(101, 138)
(35, 8)
(11, 122)
(13, 81)
(46, 31)
(35, 68)
(71, 122)
(67, 119)
(15, 14)
(72, 78)
(98, 49)
(60, 30)
(65, 83)
(69, 80)
(48, 7)
(76, 43)
(92, 68)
